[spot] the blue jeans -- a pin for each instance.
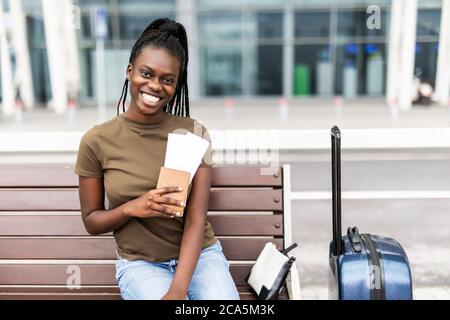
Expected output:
(211, 280)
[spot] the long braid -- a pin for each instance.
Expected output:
(121, 96)
(170, 35)
(125, 96)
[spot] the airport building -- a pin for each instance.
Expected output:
(238, 48)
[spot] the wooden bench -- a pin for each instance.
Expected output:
(46, 253)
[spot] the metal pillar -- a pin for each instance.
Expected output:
(187, 15)
(402, 41)
(55, 39)
(393, 67)
(72, 53)
(23, 70)
(443, 64)
(407, 56)
(6, 69)
(288, 50)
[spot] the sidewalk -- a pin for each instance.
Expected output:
(256, 114)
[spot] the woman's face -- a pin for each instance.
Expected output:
(153, 79)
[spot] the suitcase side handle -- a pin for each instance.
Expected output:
(355, 238)
(336, 189)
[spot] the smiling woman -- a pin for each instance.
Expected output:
(160, 254)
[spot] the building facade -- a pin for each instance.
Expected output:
(251, 48)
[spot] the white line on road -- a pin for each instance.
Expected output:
(375, 195)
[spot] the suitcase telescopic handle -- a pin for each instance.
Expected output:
(336, 189)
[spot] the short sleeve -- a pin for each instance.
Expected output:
(207, 158)
(88, 163)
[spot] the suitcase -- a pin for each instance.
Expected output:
(363, 266)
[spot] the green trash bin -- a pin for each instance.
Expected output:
(302, 79)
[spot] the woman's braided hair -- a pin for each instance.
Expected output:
(170, 35)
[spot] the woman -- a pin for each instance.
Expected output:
(160, 255)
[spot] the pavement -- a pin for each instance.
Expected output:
(245, 113)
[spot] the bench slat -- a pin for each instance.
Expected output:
(68, 199)
(72, 225)
(103, 248)
(82, 293)
(60, 296)
(77, 296)
(23, 175)
(82, 289)
(241, 176)
(91, 274)
(91, 293)
(246, 200)
(62, 175)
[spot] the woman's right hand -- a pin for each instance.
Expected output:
(151, 204)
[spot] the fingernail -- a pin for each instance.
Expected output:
(182, 203)
(180, 188)
(178, 214)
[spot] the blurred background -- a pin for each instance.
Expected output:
(290, 69)
(251, 49)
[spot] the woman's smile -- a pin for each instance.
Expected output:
(150, 100)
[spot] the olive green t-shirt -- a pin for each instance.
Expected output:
(128, 156)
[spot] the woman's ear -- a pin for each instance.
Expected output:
(129, 71)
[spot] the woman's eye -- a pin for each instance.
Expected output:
(169, 81)
(145, 74)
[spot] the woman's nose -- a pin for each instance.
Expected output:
(154, 84)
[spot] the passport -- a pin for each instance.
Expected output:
(174, 178)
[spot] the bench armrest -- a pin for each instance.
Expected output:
(293, 283)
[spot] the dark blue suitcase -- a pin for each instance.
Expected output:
(363, 266)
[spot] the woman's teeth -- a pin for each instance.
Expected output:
(149, 98)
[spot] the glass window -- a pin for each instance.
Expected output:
(219, 26)
(426, 61)
(429, 3)
(312, 3)
(428, 29)
(218, 4)
(146, 5)
(222, 66)
(270, 25)
(354, 24)
(428, 22)
(90, 3)
(360, 69)
(265, 3)
(270, 70)
(86, 26)
(131, 26)
(312, 70)
(312, 24)
(40, 74)
(362, 3)
(31, 7)
(35, 31)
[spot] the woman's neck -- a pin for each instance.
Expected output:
(151, 119)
